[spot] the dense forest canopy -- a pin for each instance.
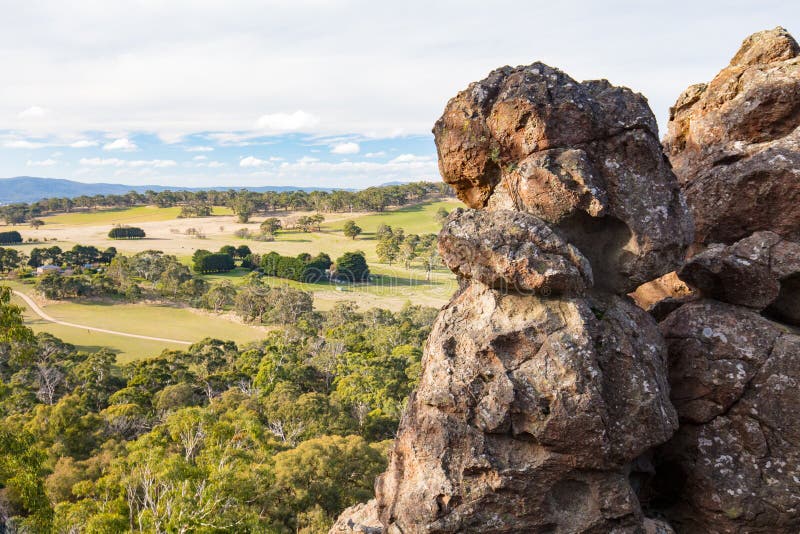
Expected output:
(276, 436)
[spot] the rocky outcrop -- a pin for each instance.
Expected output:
(734, 361)
(548, 400)
(734, 464)
(527, 414)
(734, 143)
(542, 382)
(583, 157)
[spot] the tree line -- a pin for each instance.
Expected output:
(277, 436)
(243, 203)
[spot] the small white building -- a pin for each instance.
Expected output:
(46, 269)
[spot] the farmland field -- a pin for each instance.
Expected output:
(144, 319)
(392, 286)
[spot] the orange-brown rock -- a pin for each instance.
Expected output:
(734, 143)
(649, 295)
(582, 156)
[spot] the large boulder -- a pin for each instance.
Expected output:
(734, 143)
(583, 157)
(759, 272)
(527, 414)
(512, 251)
(734, 464)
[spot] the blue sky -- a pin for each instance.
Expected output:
(313, 92)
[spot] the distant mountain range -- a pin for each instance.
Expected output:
(31, 189)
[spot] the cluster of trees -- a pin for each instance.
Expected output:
(147, 274)
(196, 208)
(206, 262)
(310, 223)
(77, 256)
(10, 238)
(126, 232)
(277, 436)
(394, 244)
(244, 203)
(302, 268)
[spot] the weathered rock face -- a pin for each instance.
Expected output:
(527, 413)
(583, 157)
(512, 251)
(733, 467)
(540, 383)
(734, 143)
(734, 464)
(760, 271)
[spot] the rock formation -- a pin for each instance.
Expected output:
(734, 143)
(548, 401)
(583, 157)
(734, 464)
(541, 381)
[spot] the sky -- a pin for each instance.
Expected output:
(339, 93)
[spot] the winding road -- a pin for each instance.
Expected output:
(41, 313)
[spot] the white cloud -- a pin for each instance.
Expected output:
(49, 162)
(346, 148)
(21, 143)
(215, 164)
(375, 154)
(102, 162)
(287, 122)
(33, 112)
(123, 143)
(410, 158)
(116, 162)
(200, 158)
(200, 149)
(158, 163)
(83, 143)
(252, 161)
